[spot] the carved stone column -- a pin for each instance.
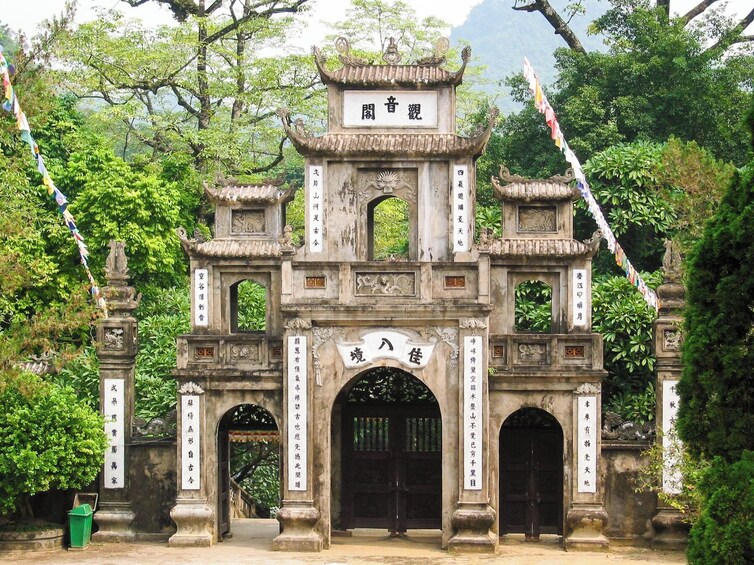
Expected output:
(587, 518)
(298, 516)
(473, 518)
(192, 515)
(116, 351)
(670, 527)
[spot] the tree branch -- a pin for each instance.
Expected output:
(696, 10)
(735, 35)
(556, 21)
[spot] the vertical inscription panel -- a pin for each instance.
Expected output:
(316, 206)
(297, 413)
(579, 297)
(114, 413)
(473, 351)
(201, 298)
(671, 464)
(587, 448)
(190, 442)
(460, 208)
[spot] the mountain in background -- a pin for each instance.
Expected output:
(500, 37)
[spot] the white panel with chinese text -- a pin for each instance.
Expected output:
(579, 297)
(389, 108)
(201, 297)
(297, 413)
(316, 207)
(460, 205)
(114, 411)
(190, 442)
(587, 438)
(473, 351)
(671, 446)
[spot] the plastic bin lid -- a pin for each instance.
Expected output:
(82, 510)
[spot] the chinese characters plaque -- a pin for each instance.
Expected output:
(473, 351)
(460, 192)
(201, 297)
(316, 209)
(114, 412)
(190, 442)
(671, 473)
(385, 344)
(587, 438)
(297, 412)
(389, 108)
(579, 297)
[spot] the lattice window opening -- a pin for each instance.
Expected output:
(533, 307)
(248, 307)
(388, 227)
(371, 433)
(423, 435)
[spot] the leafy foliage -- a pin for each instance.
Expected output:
(622, 317)
(533, 307)
(716, 416)
(48, 439)
(637, 407)
(724, 532)
(252, 306)
(391, 229)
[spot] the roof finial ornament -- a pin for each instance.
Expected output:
(442, 46)
(391, 55)
(344, 54)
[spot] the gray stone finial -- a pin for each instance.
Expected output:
(391, 55)
(116, 267)
(344, 54)
(671, 261)
(438, 57)
(593, 243)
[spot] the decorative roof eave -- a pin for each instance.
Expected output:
(248, 194)
(546, 248)
(526, 190)
(367, 75)
(229, 248)
(408, 145)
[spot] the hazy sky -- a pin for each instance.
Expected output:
(26, 15)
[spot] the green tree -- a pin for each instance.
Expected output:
(716, 416)
(48, 439)
(200, 87)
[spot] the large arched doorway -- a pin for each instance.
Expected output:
(248, 455)
(531, 474)
(391, 450)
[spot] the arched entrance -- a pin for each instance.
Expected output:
(531, 474)
(391, 453)
(248, 455)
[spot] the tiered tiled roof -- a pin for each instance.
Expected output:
(539, 248)
(266, 193)
(229, 248)
(526, 190)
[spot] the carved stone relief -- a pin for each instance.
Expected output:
(321, 335)
(190, 388)
(449, 336)
(532, 353)
(472, 324)
(297, 325)
(587, 389)
(248, 221)
(244, 352)
(386, 284)
(114, 338)
(671, 340)
(537, 219)
(387, 182)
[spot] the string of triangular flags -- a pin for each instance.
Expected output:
(11, 104)
(543, 106)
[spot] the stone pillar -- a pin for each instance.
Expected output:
(298, 516)
(473, 518)
(670, 527)
(116, 351)
(192, 515)
(586, 518)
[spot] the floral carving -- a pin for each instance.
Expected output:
(114, 338)
(386, 284)
(532, 353)
(243, 351)
(248, 221)
(190, 388)
(536, 219)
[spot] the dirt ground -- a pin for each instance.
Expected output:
(252, 541)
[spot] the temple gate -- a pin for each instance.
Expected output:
(400, 382)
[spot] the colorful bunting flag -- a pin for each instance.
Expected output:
(11, 104)
(543, 106)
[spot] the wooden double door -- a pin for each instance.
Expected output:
(392, 467)
(531, 479)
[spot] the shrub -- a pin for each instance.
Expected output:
(724, 532)
(48, 439)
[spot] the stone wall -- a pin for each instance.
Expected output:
(153, 485)
(630, 513)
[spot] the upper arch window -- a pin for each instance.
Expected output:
(388, 228)
(533, 307)
(248, 307)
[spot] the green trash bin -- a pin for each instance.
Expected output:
(80, 522)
